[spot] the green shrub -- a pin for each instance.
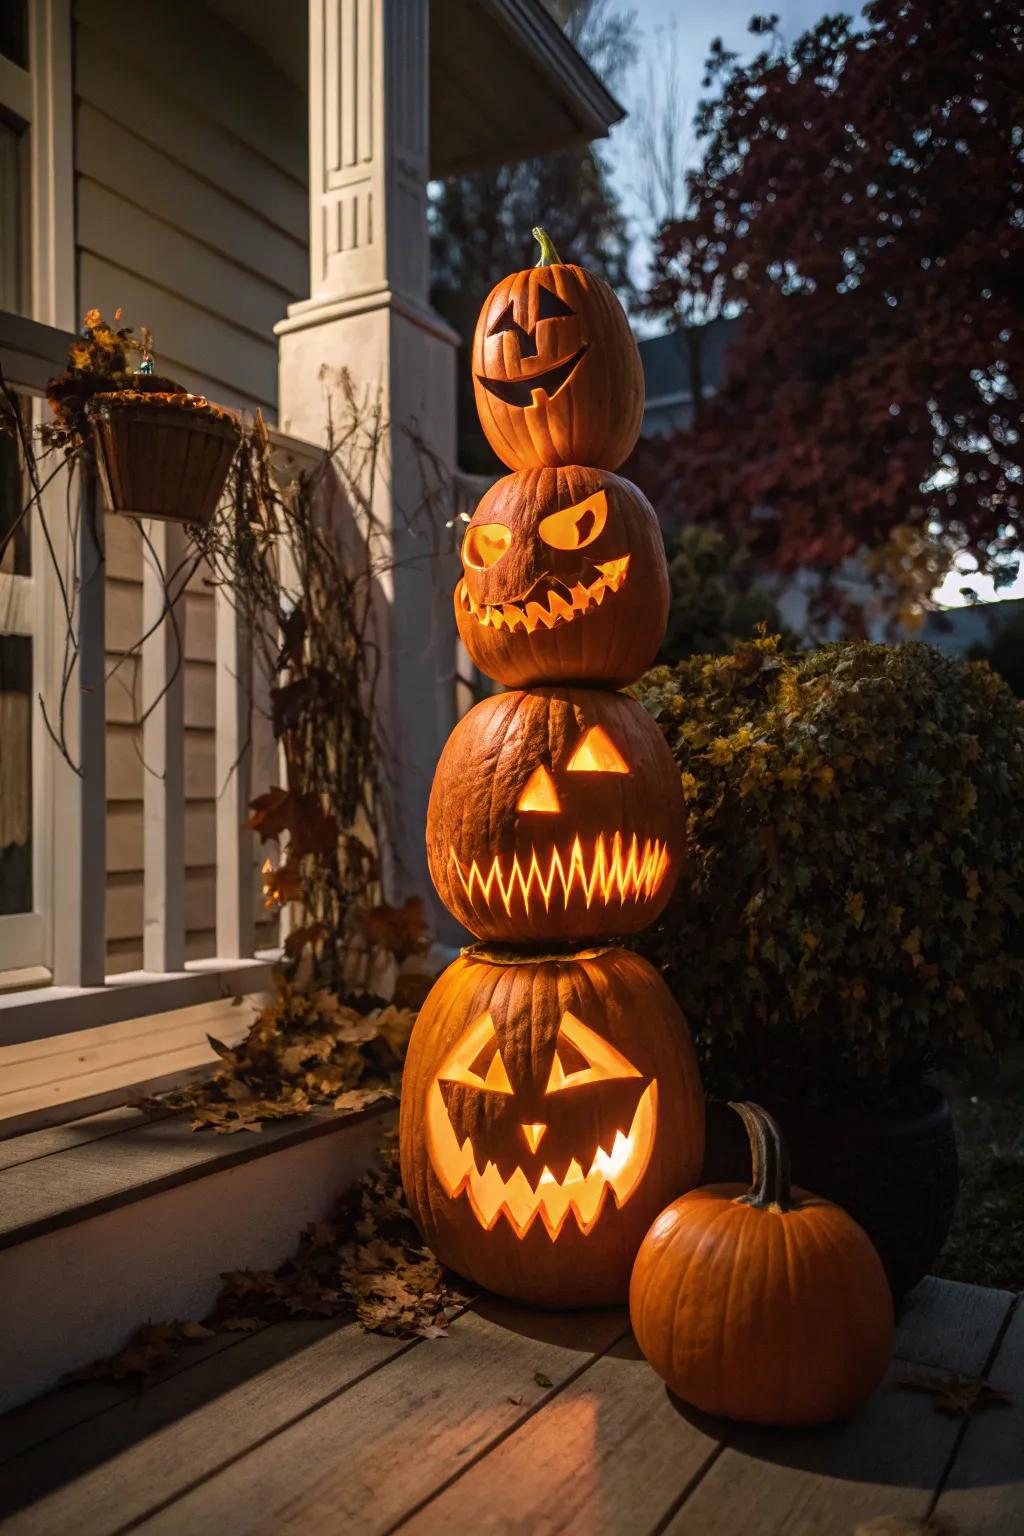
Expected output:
(854, 912)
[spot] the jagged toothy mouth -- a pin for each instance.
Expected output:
(577, 1193)
(548, 602)
(522, 392)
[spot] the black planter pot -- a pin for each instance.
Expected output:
(895, 1174)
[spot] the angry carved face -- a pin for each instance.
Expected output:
(564, 578)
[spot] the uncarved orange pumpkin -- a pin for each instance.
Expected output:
(564, 580)
(768, 1305)
(555, 815)
(556, 369)
(549, 1108)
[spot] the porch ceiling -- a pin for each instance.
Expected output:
(513, 86)
(505, 81)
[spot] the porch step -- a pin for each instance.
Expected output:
(113, 1220)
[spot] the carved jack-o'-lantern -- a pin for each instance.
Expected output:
(556, 369)
(564, 578)
(550, 1108)
(555, 814)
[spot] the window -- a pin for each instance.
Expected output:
(12, 218)
(21, 923)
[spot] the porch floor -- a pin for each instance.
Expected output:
(517, 1422)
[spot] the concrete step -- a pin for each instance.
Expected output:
(117, 1219)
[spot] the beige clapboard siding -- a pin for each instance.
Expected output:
(161, 112)
(213, 71)
(125, 834)
(162, 254)
(124, 699)
(124, 620)
(225, 361)
(192, 216)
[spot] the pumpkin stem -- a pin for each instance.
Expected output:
(769, 1189)
(549, 257)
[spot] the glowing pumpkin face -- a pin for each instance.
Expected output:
(555, 814)
(564, 579)
(556, 370)
(546, 1106)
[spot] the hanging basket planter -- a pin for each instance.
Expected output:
(162, 455)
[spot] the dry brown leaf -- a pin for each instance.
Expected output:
(957, 1394)
(542, 1380)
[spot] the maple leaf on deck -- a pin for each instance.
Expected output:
(957, 1394)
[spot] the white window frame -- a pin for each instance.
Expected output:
(38, 100)
(53, 960)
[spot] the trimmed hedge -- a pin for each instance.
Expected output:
(853, 917)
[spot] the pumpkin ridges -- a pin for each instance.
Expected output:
(575, 1270)
(764, 1290)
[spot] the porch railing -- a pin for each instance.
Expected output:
(70, 888)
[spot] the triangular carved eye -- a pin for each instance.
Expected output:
(477, 1062)
(600, 1060)
(539, 793)
(597, 753)
(549, 305)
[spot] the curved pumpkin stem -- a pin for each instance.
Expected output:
(549, 257)
(770, 1186)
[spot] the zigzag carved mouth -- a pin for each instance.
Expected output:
(548, 602)
(552, 1199)
(612, 872)
(521, 392)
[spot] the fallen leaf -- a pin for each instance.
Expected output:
(196, 1331)
(957, 1394)
(242, 1324)
(542, 1380)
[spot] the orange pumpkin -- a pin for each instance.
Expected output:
(564, 580)
(769, 1305)
(549, 1108)
(555, 815)
(556, 369)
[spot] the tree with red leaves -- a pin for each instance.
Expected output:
(860, 206)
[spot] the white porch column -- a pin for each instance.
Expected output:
(368, 312)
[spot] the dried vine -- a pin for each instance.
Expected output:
(305, 558)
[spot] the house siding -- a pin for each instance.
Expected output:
(191, 216)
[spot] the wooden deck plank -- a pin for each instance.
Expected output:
(609, 1456)
(887, 1460)
(69, 1407)
(984, 1493)
(947, 1324)
(124, 1464)
(369, 1456)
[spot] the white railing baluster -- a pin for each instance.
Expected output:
(74, 698)
(235, 919)
(164, 567)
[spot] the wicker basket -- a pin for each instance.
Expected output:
(162, 455)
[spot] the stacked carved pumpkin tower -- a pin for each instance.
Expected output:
(551, 1104)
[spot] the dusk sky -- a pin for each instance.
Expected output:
(696, 22)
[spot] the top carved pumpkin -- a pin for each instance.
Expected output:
(556, 369)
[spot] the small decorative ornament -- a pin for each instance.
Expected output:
(768, 1305)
